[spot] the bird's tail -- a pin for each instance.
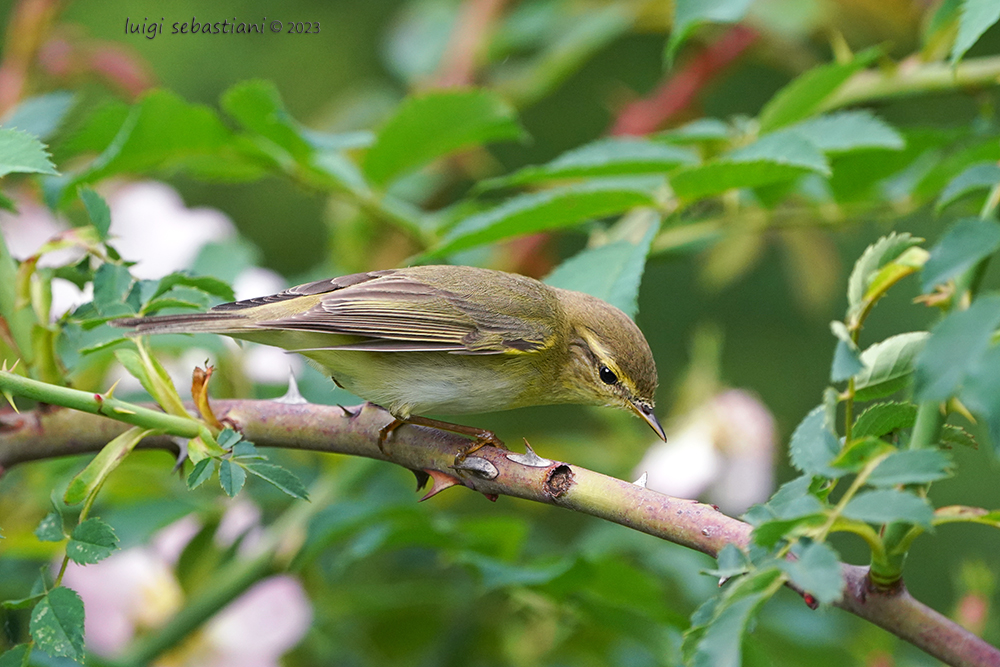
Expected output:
(211, 322)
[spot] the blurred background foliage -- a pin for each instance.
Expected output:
(740, 295)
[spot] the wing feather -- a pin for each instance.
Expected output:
(411, 310)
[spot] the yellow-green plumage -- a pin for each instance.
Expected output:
(446, 339)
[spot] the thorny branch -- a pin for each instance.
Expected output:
(53, 432)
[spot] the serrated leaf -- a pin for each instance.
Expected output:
(206, 284)
(884, 418)
(98, 211)
(258, 107)
(164, 132)
(232, 476)
(112, 283)
(731, 562)
(431, 125)
(611, 272)
(245, 449)
(846, 131)
(888, 365)
(227, 438)
(981, 176)
(700, 130)
(90, 479)
(956, 435)
(814, 445)
(817, 571)
(860, 453)
(955, 348)
(57, 624)
(718, 643)
(16, 656)
(889, 506)
(977, 17)
(689, 14)
(805, 95)
(846, 357)
(201, 473)
(968, 242)
(605, 157)
(22, 153)
(867, 267)
(981, 392)
(549, 209)
(915, 466)
(91, 542)
(774, 158)
(41, 115)
(282, 478)
(50, 528)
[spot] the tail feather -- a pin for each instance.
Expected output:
(211, 322)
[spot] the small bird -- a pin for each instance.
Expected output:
(446, 339)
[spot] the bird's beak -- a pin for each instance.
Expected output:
(647, 415)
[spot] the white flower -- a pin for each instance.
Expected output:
(722, 451)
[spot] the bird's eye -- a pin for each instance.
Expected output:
(607, 375)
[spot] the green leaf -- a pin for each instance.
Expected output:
(16, 656)
(888, 365)
(206, 284)
(257, 106)
(889, 506)
(244, 449)
(22, 153)
(717, 641)
(984, 175)
(817, 571)
(228, 437)
(814, 444)
(163, 132)
(775, 158)
(860, 453)
(805, 95)
(955, 348)
(611, 272)
(697, 131)
(280, 477)
(884, 418)
(90, 479)
(915, 466)
(429, 126)
(849, 131)
(50, 528)
(977, 17)
(41, 115)
(549, 209)
(232, 476)
(846, 357)
(968, 242)
(98, 211)
(982, 391)
(956, 435)
(57, 624)
(868, 265)
(112, 284)
(91, 542)
(732, 562)
(201, 473)
(689, 14)
(605, 157)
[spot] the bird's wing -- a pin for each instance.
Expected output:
(395, 312)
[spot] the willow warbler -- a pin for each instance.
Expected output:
(446, 339)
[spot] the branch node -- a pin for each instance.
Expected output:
(558, 482)
(478, 466)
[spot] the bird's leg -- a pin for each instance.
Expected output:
(482, 437)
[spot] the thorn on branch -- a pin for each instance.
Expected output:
(529, 458)
(441, 481)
